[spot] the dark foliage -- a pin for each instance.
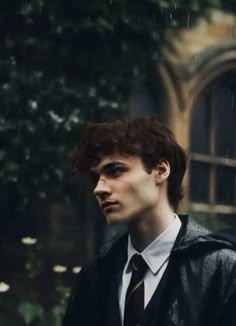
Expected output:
(64, 63)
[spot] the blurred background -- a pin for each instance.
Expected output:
(64, 64)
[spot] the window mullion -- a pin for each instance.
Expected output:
(212, 170)
(211, 124)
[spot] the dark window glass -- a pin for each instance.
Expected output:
(225, 122)
(199, 135)
(225, 185)
(199, 174)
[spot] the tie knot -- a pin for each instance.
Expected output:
(138, 264)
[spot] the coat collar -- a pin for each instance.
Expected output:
(191, 236)
(195, 236)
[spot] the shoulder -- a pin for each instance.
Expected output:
(222, 259)
(215, 250)
(225, 263)
(226, 259)
(191, 229)
(216, 263)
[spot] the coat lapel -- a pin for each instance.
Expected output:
(115, 262)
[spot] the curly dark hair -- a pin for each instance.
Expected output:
(145, 137)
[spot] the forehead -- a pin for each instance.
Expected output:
(115, 158)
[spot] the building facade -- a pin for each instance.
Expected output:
(196, 87)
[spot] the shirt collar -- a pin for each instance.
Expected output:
(158, 251)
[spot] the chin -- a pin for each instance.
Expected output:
(115, 219)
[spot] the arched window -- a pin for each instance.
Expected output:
(212, 185)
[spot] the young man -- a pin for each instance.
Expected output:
(167, 270)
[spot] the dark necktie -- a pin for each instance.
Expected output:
(134, 301)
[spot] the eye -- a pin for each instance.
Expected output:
(114, 171)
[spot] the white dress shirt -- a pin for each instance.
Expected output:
(156, 255)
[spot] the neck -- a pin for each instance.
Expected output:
(144, 230)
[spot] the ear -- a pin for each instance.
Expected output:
(162, 171)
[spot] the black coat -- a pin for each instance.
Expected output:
(198, 287)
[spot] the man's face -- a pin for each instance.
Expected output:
(124, 190)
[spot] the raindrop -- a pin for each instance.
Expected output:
(188, 19)
(232, 102)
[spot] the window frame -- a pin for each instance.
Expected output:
(212, 160)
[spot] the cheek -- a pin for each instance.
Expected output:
(148, 196)
(150, 190)
(141, 191)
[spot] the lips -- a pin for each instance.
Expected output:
(108, 204)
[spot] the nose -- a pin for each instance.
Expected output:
(102, 189)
